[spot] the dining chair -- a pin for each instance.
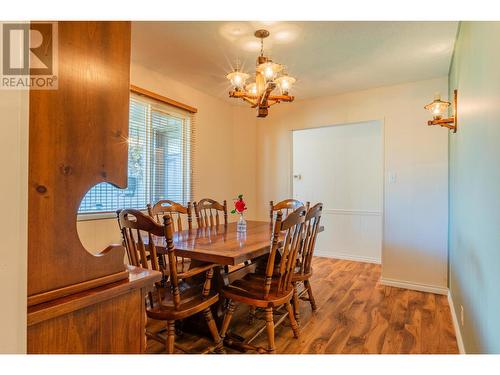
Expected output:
(207, 212)
(274, 288)
(285, 206)
(177, 212)
(176, 298)
(303, 268)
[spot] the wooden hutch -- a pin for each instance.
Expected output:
(79, 302)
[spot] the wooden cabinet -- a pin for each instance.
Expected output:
(79, 302)
(108, 319)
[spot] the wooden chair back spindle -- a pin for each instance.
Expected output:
(207, 212)
(172, 261)
(292, 228)
(135, 226)
(311, 226)
(176, 211)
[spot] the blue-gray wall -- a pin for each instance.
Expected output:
(474, 234)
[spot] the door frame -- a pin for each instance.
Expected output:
(384, 172)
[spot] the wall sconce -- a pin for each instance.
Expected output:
(438, 108)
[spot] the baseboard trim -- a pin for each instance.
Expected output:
(456, 326)
(414, 286)
(354, 258)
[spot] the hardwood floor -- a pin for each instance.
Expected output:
(355, 315)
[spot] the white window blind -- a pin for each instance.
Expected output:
(160, 150)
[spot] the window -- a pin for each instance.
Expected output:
(159, 160)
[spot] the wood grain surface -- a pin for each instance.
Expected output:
(355, 315)
(77, 138)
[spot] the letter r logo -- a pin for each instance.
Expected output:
(27, 49)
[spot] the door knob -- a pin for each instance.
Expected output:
(297, 176)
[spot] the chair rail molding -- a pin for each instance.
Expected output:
(341, 211)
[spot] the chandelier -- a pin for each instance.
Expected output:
(268, 76)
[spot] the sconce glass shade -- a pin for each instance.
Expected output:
(285, 83)
(237, 79)
(269, 70)
(437, 107)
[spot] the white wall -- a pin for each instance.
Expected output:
(224, 158)
(14, 106)
(415, 206)
(475, 186)
(342, 166)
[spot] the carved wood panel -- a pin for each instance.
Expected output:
(77, 139)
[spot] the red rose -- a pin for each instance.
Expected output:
(240, 205)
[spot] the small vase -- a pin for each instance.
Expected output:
(242, 224)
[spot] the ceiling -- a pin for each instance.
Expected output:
(327, 58)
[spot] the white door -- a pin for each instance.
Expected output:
(342, 167)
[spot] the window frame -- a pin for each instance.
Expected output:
(186, 116)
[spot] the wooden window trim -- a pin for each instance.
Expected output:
(161, 98)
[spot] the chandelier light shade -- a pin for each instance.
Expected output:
(237, 79)
(269, 69)
(269, 76)
(285, 82)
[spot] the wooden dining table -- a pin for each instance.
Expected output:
(221, 244)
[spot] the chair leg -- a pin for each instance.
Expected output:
(296, 305)
(170, 336)
(227, 319)
(270, 329)
(293, 322)
(307, 284)
(213, 330)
